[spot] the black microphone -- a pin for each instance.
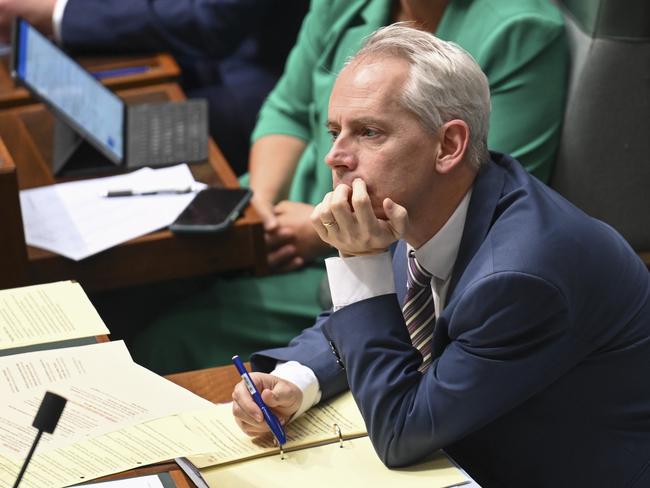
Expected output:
(45, 421)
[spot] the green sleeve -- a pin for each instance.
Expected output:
(287, 108)
(526, 61)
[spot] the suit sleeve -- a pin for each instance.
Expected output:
(185, 27)
(510, 338)
(526, 61)
(310, 349)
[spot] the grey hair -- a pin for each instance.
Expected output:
(445, 82)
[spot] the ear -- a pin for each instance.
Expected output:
(454, 138)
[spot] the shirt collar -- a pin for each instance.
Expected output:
(439, 253)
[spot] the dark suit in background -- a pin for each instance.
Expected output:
(540, 357)
(231, 51)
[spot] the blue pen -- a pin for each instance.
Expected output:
(269, 417)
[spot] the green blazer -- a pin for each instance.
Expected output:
(519, 44)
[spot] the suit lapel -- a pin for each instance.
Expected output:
(485, 196)
(487, 190)
(399, 271)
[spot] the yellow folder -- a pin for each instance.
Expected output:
(328, 446)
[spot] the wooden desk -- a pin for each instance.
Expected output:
(159, 68)
(214, 384)
(27, 134)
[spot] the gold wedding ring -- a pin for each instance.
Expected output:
(329, 223)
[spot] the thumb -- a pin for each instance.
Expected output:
(281, 395)
(397, 217)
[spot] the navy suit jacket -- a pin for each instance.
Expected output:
(231, 52)
(541, 354)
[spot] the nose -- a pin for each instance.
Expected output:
(341, 155)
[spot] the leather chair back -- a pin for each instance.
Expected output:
(603, 164)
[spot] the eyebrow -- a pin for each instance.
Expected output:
(360, 121)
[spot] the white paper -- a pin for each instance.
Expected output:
(105, 389)
(128, 448)
(36, 370)
(74, 219)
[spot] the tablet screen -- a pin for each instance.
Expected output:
(89, 107)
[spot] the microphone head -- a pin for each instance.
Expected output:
(49, 412)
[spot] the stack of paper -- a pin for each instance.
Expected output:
(76, 220)
(119, 415)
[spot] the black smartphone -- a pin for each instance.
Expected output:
(212, 210)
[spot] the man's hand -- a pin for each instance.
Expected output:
(36, 12)
(354, 229)
(281, 396)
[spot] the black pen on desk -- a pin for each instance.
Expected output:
(134, 193)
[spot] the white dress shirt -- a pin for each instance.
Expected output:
(361, 277)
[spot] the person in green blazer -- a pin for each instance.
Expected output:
(521, 47)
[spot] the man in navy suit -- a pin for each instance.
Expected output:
(534, 369)
(231, 52)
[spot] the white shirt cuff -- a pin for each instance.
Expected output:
(305, 379)
(360, 277)
(57, 19)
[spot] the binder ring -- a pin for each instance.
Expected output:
(337, 431)
(275, 441)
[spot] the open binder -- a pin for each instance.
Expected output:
(326, 446)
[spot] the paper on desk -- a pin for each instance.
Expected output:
(34, 371)
(106, 392)
(356, 464)
(128, 448)
(46, 313)
(74, 219)
(229, 443)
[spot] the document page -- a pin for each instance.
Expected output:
(75, 220)
(42, 369)
(314, 427)
(47, 313)
(128, 448)
(356, 464)
(105, 393)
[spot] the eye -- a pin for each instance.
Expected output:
(368, 132)
(333, 133)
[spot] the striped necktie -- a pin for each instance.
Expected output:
(419, 310)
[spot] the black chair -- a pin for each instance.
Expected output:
(603, 164)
